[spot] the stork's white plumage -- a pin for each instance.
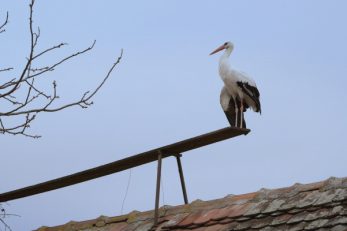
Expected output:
(239, 92)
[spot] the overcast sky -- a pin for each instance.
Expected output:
(167, 89)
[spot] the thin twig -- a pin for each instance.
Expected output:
(30, 55)
(63, 60)
(49, 49)
(37, 90)
(4, 24)
(6, 69)
(83, 102)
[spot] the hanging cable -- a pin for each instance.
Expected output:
(126, 192)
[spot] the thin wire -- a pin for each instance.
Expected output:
(126, 192)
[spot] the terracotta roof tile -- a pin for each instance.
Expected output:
(257, 208)
(317, 206)
(274, 206)
(280, 220)
(242, 198)
(221, 214)
(294, 227)
(190, 219)
(239, 210)
(118, 227)
(262, 223)
(205, 217)
(317, 224)
(339, 228)
(217, 227)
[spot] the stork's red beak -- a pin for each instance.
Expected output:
(218, 49)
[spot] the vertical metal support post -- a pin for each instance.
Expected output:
(183, 184)
(157, 194)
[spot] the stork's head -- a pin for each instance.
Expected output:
(226, 46)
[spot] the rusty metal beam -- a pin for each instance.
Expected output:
(126, 163)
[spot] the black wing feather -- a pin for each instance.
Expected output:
(252, 92)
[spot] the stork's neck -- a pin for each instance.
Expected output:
(224, 65)
(225, 57)
(227, 52)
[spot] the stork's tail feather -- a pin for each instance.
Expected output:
(258, 109)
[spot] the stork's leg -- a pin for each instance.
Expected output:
(241, 114)
(236, 114)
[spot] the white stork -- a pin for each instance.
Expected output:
(239, 92)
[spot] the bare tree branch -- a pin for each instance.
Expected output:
(50, 68)
(31, 85)
(7, 227)
(19, 94)
(33, 41)
(2, 27)
(3, 215)
(83, 102)
(49, 49)
(6, 69)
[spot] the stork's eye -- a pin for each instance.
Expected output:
(225, 44)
